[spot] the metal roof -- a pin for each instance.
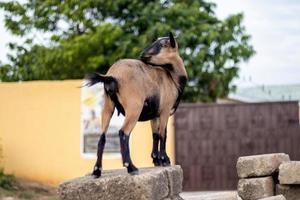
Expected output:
(267, 93)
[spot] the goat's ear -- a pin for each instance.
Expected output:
(172, 40)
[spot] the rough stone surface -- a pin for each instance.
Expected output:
(289, 173)
(290, 192)
(175, 178)
(239, 198)
(278, 197)
(260, 165)
(159, 183)
(255, 188)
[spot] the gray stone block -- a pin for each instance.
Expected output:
(260, 165)
(289, 172)
(210, 195)
(255, 188)
(278, 197)
(238, 197)
(175, 178)
(159, 183)
(290, 192)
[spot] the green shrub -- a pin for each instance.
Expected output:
(7, 181)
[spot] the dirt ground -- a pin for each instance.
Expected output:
(25, 190)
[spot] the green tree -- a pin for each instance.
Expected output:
(91, 35)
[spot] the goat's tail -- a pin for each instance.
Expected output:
(110, 83)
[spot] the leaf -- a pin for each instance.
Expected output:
(91, 35)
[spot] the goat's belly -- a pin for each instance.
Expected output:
(147, 115)
(150, 109)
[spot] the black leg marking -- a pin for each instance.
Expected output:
(164, 158)
(98, 166)
(155, 152)
(124, 142)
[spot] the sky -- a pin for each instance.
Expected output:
(275, 29)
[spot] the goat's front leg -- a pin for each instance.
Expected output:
(164, 158)
(155, 137)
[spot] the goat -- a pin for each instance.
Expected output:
(148, 88)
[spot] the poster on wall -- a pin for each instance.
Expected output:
(92, 102)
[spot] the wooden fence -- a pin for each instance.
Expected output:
(210, 138)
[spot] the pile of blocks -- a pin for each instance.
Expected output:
(268, 177)
(289, 179)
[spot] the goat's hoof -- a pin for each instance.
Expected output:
(136, 172)
(131, 169)
(165, 161)
(156, 162)
(156, 159)
(96, 173)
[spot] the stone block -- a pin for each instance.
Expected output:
(277, 197)
(158, 183)
(260, 165)
(210, 195)
(255, 188)
(238, 197)
(289, 173)
(290, 192)
(175, 178)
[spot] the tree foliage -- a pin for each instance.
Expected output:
(91, 35)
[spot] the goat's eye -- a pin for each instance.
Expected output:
(161, 45)
(164, 44)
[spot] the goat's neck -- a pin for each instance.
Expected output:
(179, 75)
(179, 69)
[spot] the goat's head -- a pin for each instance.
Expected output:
(163, 52)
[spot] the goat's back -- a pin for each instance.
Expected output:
(140, 81)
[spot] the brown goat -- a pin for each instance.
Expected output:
(146, 89)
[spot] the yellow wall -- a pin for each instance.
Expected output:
(40, 133)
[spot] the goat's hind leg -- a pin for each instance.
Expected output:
(131, 118)
(107, 112)
(155, 137)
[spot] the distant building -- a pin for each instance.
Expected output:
(264, 94)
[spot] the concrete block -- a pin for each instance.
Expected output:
(238, 197)
(255, 188)
(157, 183)
(278, 197)
(210, 195)
(290, 192)
(289, 173)
(175, 178)
(260, 165)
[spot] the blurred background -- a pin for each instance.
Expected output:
(242, 97)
